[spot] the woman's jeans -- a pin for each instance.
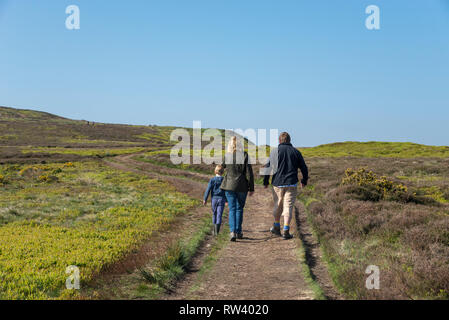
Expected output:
(218, 205)
(236, 202)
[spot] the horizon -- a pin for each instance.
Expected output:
(296, 146)
(311, 69)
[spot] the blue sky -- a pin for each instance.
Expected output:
(307, 67)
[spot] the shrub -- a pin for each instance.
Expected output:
(446, 194)
(363, 177)
(2, 179)
(29, 171)
(47, 178)
(364, 193)
(56, 171)
(369, 187)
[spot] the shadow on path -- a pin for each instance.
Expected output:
(313, 258)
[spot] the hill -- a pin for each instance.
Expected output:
(376, 149)
(28, 136)
(40, 129)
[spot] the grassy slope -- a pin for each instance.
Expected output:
(28, 136)
(376, 150)
(85, 213)
(39, 129)
(408, 241)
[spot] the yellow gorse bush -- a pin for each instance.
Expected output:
(365, 177)
(29, 171)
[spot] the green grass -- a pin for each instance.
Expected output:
(407, 240)
(210, 260)
(376, 150)
(307, 274)
(91, 216)
(87, 152)
(168, 164)
(173, 264)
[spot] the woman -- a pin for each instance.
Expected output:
(238, 181)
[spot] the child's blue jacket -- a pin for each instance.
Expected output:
(213, 188)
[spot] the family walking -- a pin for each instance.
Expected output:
(238, 183)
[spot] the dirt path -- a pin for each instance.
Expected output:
(260, 266)
(191, 183)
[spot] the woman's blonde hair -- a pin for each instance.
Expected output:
(234, 145)
(219, 170)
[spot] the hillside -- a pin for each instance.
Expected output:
(40, 129)
(376, 149)
(28, 136)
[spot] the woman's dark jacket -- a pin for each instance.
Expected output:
(239, 173)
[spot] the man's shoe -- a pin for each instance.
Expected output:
(240, 235)
(287, 235)
(218, 229)
(276, 231)
(233, 237)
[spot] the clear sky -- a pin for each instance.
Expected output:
(308, 67)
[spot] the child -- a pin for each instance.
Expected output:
(218, 198)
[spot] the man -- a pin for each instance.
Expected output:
(285, 182)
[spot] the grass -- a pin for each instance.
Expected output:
(90, 216)
(408, 240)
(21, 128)
(162, 276)
(210, 259)
(376, 150)
(307, 274)
(86, 152)
(162, 158)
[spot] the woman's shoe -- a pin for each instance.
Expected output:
(233, 237)
(240, 235)
(218, 229)
(215, 229)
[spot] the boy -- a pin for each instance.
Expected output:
(218, 198)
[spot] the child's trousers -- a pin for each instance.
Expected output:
(218, 205)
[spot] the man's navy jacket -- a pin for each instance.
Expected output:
(289, 161)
